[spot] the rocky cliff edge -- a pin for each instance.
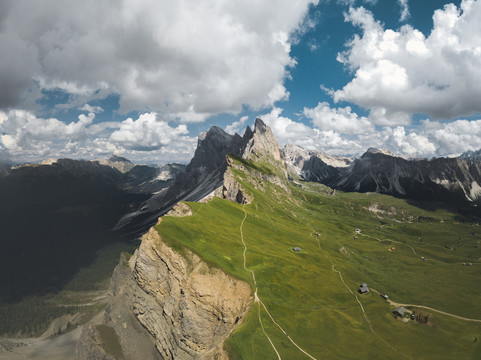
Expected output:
(165, 305)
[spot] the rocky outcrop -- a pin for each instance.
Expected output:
(117, 162)
(180, 210)
(90, 345)
(173, 303)
(231, 189)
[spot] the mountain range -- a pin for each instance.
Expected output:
(188, 309)
(55, 216)
(453, 181)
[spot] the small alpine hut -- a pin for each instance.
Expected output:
(363, 288)
(296, 249)
(357, 230)
(399, 311)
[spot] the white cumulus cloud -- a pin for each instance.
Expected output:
(146, 133)
(236, 126)
(430, 139)
(186, 59)
(341, 120)
(293, 132)
(25, 137)
(398, 73)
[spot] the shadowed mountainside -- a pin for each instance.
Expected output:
(53, 218)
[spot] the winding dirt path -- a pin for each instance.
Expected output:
(333, 268)
(256, 298)
(394, 241)
(394, 303)
(259, 301)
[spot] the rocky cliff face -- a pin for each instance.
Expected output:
(315, 169)
(262, 144)
(169, 306)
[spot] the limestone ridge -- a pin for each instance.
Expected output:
(260, 147)
(206, 172)
(169, 306)
(454, 181)
(117, 162)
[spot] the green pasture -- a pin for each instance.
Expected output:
(307, 297)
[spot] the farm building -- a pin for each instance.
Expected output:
(363, 288)
(296, 249)
(399, 311)
(357, 230)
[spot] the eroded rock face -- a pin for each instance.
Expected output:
(186, 308)
(189, 308)
(262, 143)
(232, 190)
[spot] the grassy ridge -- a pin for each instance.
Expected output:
(308, 299)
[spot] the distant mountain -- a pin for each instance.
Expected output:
(53, 218)
(471, 155)
(307, 163)
(453, 181)
(117, 162)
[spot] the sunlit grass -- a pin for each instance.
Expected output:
(306, 296)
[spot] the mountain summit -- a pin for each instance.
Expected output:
(262, 143)
(206, 171)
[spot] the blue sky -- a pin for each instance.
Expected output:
(142, 78)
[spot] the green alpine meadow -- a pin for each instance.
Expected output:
(310, 248)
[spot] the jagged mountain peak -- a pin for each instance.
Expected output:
(248, 134)
(262, 143)
(214, 133)
(260, 125)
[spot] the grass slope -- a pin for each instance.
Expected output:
(305, 294)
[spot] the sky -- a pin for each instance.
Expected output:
(142, 78)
